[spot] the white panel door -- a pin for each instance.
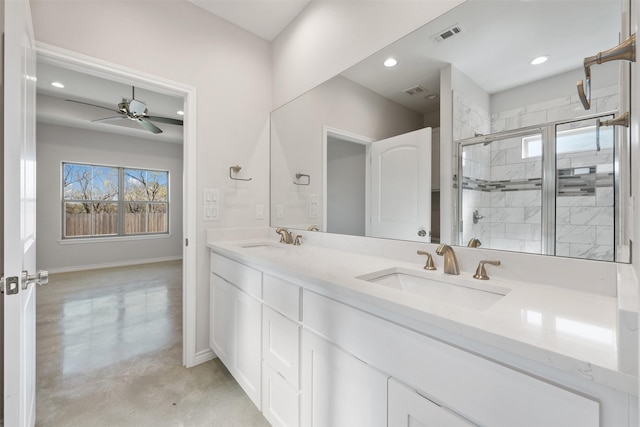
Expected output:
(19, 215)
(400, 187)
(339, 390)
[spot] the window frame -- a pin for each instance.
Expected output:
(119, 201)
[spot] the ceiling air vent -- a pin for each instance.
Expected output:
(414, 90)
(447, 33)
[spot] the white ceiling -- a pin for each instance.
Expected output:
(265, 18)
(53, 105)
(494, 49)
(497, 41)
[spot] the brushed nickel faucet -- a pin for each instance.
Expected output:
(285, 235)
(429, 265)
(481, 272)
(474, 243)
(450, 260)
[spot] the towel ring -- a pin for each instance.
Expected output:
(236, 169)
(300, 175)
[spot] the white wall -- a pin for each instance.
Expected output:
(57, 144)
(229, 67)
(296, 140)
(330, 36)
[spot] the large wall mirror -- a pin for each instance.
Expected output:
(464, 138)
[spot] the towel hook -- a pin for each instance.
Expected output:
(624, 51)
(236, 169)
(300, 175)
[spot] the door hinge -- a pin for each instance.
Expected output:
(186, 242)
(9, 285)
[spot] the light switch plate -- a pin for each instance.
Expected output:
(280, 211)
(259, 211)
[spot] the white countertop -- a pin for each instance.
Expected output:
(572, 331)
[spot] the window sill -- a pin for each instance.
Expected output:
(79, 241)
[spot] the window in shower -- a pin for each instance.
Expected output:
(514, 196)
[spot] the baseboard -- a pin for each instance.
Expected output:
(112, 264)
(204, 356)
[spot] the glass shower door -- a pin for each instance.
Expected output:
(585, 196)
(501, 191)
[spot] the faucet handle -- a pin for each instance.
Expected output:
(481, 271)
(298, 240)
(429, 265)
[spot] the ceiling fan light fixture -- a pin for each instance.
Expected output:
(57, 84)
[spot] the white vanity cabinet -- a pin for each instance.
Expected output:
(339, 390)
(308, 357)
(407, 408)
(474, 388)
(281, 352)
(236, 322)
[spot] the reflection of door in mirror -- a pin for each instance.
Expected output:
(400, 187)
(507, 204)
(345, 176)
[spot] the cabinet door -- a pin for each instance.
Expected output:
(281, 345)
(280, 401)
(221, 328)
(409, 409)
(339, 390)
(247, 353)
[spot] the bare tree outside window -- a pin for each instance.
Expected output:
(108, 201)
(146, 196)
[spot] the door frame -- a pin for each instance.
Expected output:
(328, 131)
(111, 71)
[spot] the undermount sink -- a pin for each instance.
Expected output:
(262, 245)
(459, 292)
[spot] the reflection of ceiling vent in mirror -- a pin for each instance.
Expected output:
(447, 33)
(414, 90)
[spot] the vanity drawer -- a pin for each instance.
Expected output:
(482, 391)
(283, 296)
(245, 278)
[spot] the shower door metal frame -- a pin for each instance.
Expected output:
(548, 177)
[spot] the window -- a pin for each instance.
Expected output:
(103, 201)
(569, 141)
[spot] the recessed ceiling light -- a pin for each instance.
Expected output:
(390, 62)
(57, 84)
(180, 113)
(539, 60)
(432, 96)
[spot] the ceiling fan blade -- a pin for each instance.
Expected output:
(165, 120)
(107, 119)
(93, 105)
(149, 126)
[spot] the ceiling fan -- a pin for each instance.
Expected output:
(135, 110)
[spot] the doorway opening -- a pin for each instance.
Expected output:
(186, 230)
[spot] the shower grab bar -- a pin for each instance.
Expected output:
(624, 51)
(300, 175)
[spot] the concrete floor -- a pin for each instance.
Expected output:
(109, 353)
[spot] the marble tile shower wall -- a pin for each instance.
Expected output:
(470, 118)
(511, 211)
(567, 107)
(584, 223)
